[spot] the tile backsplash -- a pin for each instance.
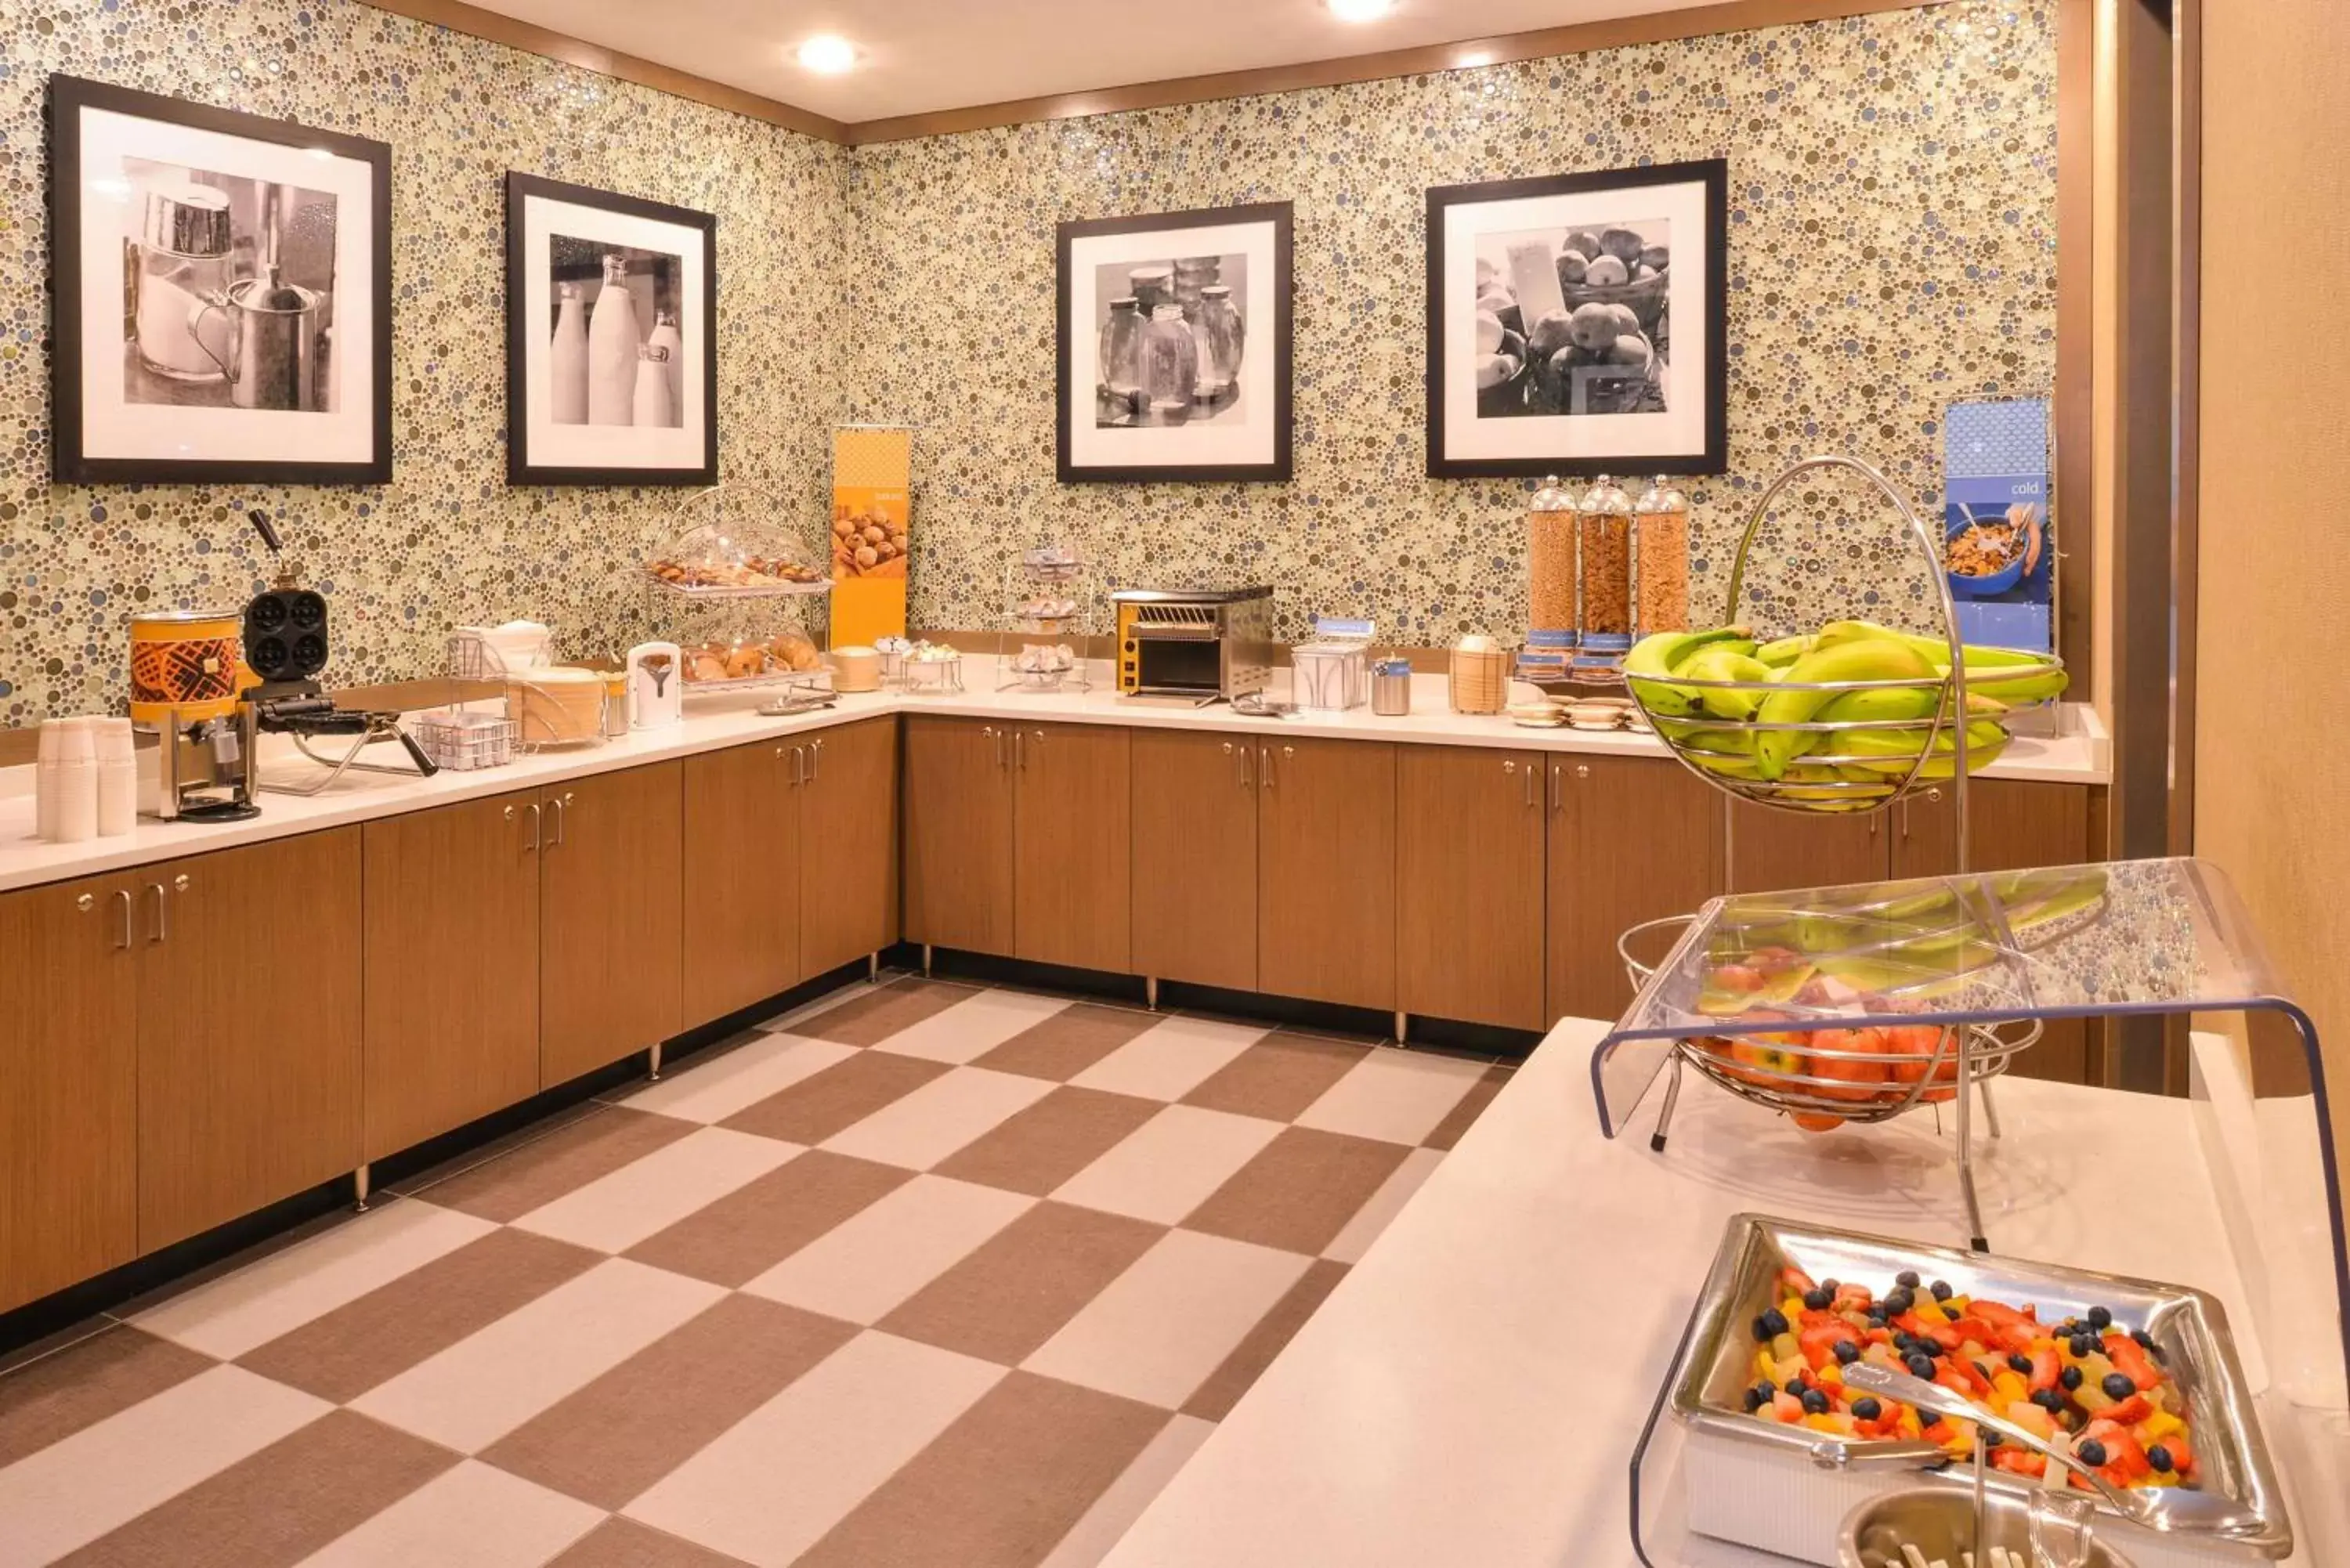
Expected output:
(1892, 250)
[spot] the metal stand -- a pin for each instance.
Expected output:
(926, 960)
(359, 1180)
(873, 969)
(653, 1062)
(1151, 991)
(381, 727)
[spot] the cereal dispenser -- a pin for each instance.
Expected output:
(1604, 577)
(1550, 559)
(1660, 559)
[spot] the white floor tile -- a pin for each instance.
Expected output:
(711, 1091)
(1396, 1096)
(275, 1294)
(108, 1474)
(615, 1212)
(492, 1381)
(971, 1027)
(1167, 1167)
(772, 1486)
(861, 1269)
(1161, 1327)
(1169, 1059)
(469, 1517)
(1349, 1245)
(920, 1129)
(1090, 1538)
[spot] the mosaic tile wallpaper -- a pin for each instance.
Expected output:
(1892, 249)
(447, 542)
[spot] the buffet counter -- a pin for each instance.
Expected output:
(1472, 1392)
(2077, 753)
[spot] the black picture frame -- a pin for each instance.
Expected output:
(522, 189)
(1279, 216)
(1712, 456)
(70, 464)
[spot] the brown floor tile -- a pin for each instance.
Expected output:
(1216, 1398)
(1071, 1041)
(882, 1010)
(1299, 1191)
(1467, 1109)
(960, 1504)
(625, 1543)
(1035, 1150)
(1005, 1300)
(840, 1096)
(741, 1236)
(635, 1424)
(1277, 1078)
(81, 1384)
(349, 1350)
(513, 1183)
(278, 1506)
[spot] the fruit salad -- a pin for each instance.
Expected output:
(2087, 1384)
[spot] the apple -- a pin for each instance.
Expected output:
(1584, 243)
(1858, 1076)
(1606, 272)
(1622, 244)
(1656, 256)
(1816, 1121)
(1594, 328)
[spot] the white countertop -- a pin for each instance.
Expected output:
(2077, 756)
(1473, 1391)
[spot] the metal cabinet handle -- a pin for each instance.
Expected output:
(1242, 749)
(124, 894)
(562, 805)
(1264, 765)
(1509, 765)
(793, 753)
(161, 929)
(1020, 750)
(816, 760)
(86, 903)
(509, 813)
(1289, 751)
(1531, 768)
(533, 808)
(1557, 781)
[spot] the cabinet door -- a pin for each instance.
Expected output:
(611, 896)
(1072, 839)
(2012, 824)
(1468, 880)
(742, 879)
(1771, 850)
(1195, 814)
(69, 1086)
(1326, 871)
(958, 837)
(1631, 839)
(848, 845)
(249, 989)
(449, 947)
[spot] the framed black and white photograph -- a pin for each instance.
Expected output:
(1577, 322)
(612, 338)
(223, 295)
(1174, 346)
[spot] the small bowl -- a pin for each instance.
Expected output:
(1982, 587)
(1940, 1521)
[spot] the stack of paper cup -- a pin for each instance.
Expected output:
(118, 777)
(85, 780)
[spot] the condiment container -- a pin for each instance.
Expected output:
(1479, 675)
(48, 752)
(1661, 558)
(557, 706)
(1550, 558)
(118, 777)
(856, 669)
(1391, 688)
(1604, 573)
(74, 815)
(616, 704)
(1325, 676)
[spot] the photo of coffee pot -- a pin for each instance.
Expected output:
(272, 360)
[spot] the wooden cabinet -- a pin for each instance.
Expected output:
(742, 903)
(848, 845)
(1326, 871)
(1631, 839)
(611, 901)
(958, 845)
(450, 954)
(1469, 884)
(1194, 858)
(68, 1085)
(249, 1028)
(1771, 850)
(1072, 836)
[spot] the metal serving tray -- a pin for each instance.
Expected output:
(2190, 1328)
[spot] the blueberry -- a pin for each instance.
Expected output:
(1900, 1302)
(1815, 1402)
(1847, 1353)
(1773, 1323)
(1907, 1277)
(2049, 1400)
(1819, 1298)
(1942, 1288)
(2069, 1377)
(1867, 1409)
(1991, 1439)
(2159, 1457)
(1767, 1390)
(2085, 1344)
(2146, 1343)
(1831, 1286)
(2019, 1362)
(1930, 1418)
(2090, 1452)
(1753, 1400)
(2118, 1385)
(1876, 1316)
(1920, 1367)
(2101, 1317)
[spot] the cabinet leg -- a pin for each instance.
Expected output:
(926, 960)
(1402, 1025)
(1151, 991)
(359, 1188)
(872, 969)
(653, 1062)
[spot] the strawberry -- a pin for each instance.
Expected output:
(2130, 1360)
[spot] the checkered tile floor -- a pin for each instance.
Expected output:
(924, 1273)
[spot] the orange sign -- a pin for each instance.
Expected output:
(872, 528)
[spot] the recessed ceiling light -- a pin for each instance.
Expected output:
(827, 54)
(1360, 10)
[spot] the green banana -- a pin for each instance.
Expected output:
(1785, 651)
(1984, 660)
(1723, 661)
(1882, 705)
(1660, 653)
(1709, 749)
(1871, 658)
(1893, 750)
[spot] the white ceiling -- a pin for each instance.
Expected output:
(923, 55)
